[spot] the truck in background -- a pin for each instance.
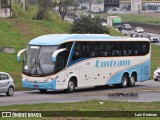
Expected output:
(115, 22)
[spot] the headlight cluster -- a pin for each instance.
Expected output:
(49, 79)
(25, 79)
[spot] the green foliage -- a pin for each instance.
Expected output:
(52, 16)
(114, 32)
(30, 13)
(43, 6)
(86, 24)
(63, 6)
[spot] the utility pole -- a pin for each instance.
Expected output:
(90, 3)
(10, 8)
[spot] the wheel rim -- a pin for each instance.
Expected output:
(71, 85)
(124, 81)
(11, 91)
(132, 80)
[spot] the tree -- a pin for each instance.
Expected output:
(43, 6)
(82, 1)
(86, 24)
(62, 6)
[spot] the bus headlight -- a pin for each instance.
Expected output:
(24, 79)
(49, 79)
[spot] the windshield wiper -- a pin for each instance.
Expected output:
(33, 64)
(38, 62)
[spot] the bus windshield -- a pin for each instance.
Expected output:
(38, 60)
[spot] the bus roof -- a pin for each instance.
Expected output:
(57, 39)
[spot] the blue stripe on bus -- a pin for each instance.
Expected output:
(48, 85)
(143, 73)
(76, 61)
(71, 54)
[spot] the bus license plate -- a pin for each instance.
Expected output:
(35, 86)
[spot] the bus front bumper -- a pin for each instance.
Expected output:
(47, 85)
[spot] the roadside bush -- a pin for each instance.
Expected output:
(18, 12)
(31, 13)
(89, 25)
(52, 16)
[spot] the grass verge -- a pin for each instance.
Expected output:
(87, 106)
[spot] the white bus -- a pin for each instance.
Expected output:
(69, 61)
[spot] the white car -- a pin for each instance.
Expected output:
(153, 38)
(139, 30)
(156, 74)
(6, 84)
(127, 26)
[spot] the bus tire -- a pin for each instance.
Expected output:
(132, 80)
(71, 86)
(10, 91)
(43, 90)
(156, 79)
(124, 81)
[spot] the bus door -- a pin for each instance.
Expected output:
(85, 74)
(81, 62)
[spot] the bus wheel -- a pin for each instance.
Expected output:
(124, 81)
(156, 79)
(71, 86)
(132, 80)
(43, 90)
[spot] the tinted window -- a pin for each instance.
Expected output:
(108, 49)
(3, 77)
(80, 51)
(62, 57)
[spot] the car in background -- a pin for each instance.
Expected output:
(125, 33)
(139, 30)
(127, 26)
(143, 35)
(154, 38)
(134, 34)
(156, 74)
(157, 11)
(6, 84)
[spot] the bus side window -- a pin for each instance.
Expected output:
(103, 49)
(145, 48)
(79, 51)
(92, 49)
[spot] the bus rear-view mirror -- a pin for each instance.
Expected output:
(54, 55)
(19, 54)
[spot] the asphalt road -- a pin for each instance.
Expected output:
(147, 91)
